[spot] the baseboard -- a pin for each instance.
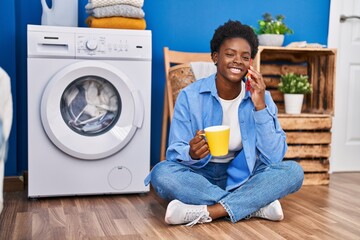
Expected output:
(15, 183)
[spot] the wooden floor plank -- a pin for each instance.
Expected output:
(315, 212)
(39, 226)
(107, 223)
(57, 217)
(22, 226)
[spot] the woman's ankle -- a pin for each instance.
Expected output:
(217, 211)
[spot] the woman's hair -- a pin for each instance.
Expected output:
(234, 29)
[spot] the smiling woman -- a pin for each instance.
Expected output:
(257, 144)
(232, 66)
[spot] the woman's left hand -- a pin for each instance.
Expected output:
(257, 89)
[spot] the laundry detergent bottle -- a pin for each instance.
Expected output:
(61, 13)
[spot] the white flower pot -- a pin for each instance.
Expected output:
(276, 40)
(293, 103)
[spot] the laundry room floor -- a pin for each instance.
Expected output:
(315, 212)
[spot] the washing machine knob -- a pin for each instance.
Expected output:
(91, 44)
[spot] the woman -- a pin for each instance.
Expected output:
(250, 179)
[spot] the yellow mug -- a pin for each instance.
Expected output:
(217, 138)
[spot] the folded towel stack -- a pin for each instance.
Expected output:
(124, 14)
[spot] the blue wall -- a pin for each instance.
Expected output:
(186, 26)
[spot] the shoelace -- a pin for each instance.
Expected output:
(203, 217)
(258, 213)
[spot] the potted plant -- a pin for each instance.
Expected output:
(294, 86)
(271, 31)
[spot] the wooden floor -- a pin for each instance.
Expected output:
(315, 212)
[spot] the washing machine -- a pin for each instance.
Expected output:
(89, 96)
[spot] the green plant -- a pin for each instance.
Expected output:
(294, 84)
(269, 25)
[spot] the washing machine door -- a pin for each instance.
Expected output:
(91, 110)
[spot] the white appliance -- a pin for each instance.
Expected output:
(89, 96)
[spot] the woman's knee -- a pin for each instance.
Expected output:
(164, 179)
(296, 174)
(166, 173)
(159, 172)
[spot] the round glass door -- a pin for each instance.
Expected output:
(90, 105)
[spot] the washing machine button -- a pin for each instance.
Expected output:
(91, 44)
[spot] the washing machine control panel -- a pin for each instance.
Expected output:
(100, 46)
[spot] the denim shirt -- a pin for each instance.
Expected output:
(198, 106)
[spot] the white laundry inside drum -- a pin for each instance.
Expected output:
(90, 105)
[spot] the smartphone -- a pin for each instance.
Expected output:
(248, 78)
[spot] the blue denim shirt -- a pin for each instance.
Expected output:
(198, 106)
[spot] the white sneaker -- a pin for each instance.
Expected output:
(272, 212)
(179, 213)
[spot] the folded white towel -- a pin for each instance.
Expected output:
(202, 69)
(103, 3)
(119, 10)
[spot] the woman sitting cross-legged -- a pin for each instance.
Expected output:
(249, 180)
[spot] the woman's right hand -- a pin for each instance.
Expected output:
(198, 146)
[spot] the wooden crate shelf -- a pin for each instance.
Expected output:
(308, 133)
(317, 63)
(309, 137)
(316, 179)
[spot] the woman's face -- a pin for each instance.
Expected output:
(233, 60)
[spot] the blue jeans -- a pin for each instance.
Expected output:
(206, 186)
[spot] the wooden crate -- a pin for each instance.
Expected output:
(308, 133)
(317, 63)
(309, 137)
